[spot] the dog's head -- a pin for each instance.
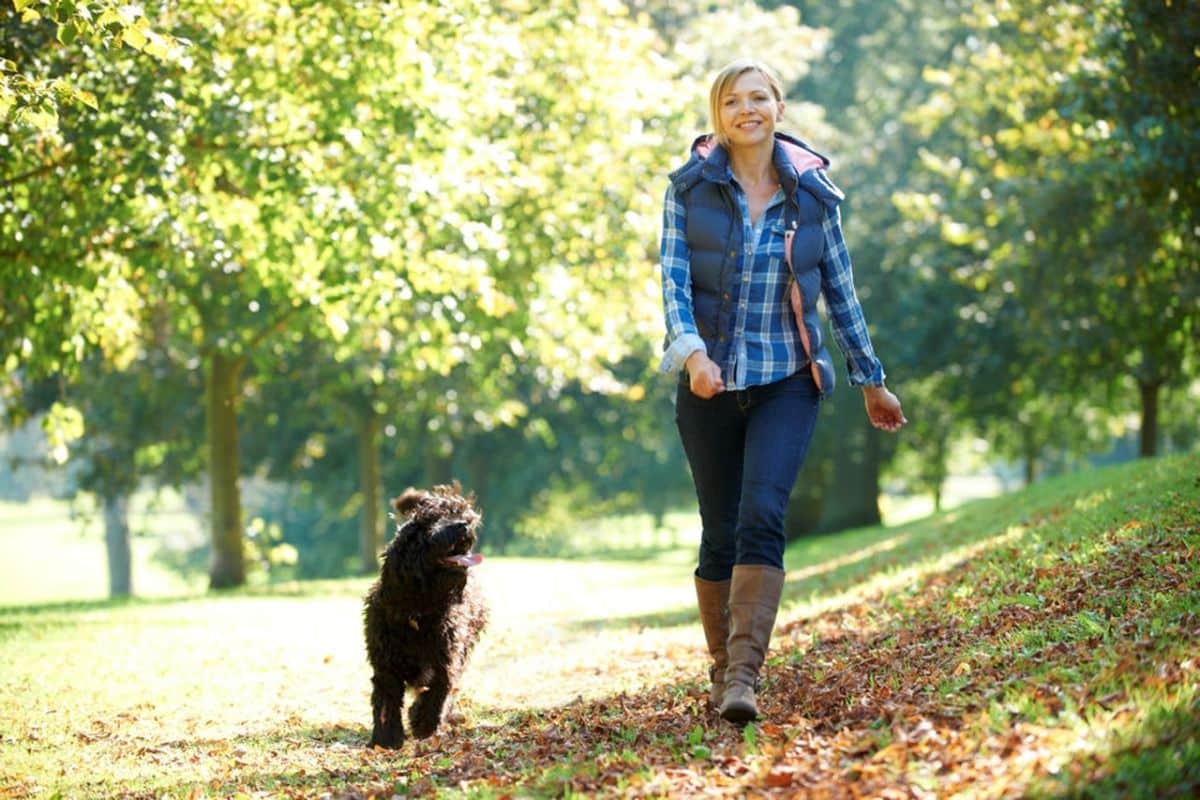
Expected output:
(436, 533)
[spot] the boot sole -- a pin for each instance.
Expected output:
(739, 715)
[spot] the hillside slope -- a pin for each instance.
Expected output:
(1038, 644)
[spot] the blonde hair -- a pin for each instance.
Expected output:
(725, 78)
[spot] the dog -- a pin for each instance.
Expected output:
(424, 615)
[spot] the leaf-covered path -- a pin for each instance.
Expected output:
(1054, 655)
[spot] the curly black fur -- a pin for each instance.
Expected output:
(424, 614)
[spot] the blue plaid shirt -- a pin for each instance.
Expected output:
(765, 345)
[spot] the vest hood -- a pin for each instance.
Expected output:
(797, 164)
(799, 155)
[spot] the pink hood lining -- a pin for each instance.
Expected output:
(802, 160)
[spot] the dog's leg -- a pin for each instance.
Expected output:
(425, 715)
(387, 711)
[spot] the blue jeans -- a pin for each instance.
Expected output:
(745, 449)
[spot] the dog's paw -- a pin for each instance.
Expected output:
(386, 740)
(424, 722)
(425, 719)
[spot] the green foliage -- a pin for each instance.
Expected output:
(512, 272)
(458, 231)
(1052, 195)
(31, 95)
(867, 73)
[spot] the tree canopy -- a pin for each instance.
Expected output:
(414, 242)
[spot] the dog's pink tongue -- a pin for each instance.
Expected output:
(467, 560)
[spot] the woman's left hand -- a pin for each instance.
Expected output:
(883, 408)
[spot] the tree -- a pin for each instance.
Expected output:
(1072, 190)
(61, 203)
(868, 74)
(139, 428)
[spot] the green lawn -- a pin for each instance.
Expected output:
(1039, 644)
(46, 556)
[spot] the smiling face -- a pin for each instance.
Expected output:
(745, 104)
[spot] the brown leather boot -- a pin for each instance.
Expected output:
(754, 595)
(713, 599)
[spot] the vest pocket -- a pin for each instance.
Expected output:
(807, 246)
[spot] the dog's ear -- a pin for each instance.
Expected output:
(407, 501)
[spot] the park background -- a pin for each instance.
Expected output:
(263, 265)
(286, 260)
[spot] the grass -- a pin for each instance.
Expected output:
(1043, 644)
(47, 555)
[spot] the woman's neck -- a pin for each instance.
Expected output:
(753, 165)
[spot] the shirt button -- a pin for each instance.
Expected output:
(732, 253)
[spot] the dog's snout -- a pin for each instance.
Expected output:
(455, 535)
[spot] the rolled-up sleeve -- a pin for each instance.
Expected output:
(845, 312)
(682, 337)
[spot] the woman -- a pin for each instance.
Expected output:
(751, 237)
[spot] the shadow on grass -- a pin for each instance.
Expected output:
(831, 564)
(73, 614)
(334, 587)
(669, 553)
(78, 613)
(84, 606)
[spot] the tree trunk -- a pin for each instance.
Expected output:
(806, 504)
(229, 558)
(853, 500)
(1029, 445)
(371, 534)
(116, 541)
(479, 466)
(872, 465)
(1148, 445)
(940, 471)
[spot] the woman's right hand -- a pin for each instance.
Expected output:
(704, 376)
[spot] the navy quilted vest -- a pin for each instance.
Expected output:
(714, 236)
